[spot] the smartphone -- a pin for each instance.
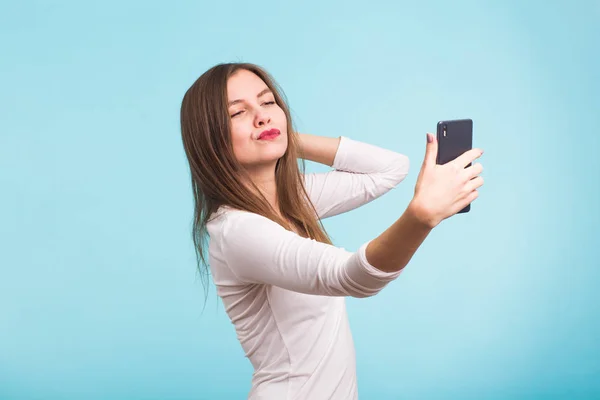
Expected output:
(454, 137)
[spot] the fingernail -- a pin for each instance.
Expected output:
(429, 138)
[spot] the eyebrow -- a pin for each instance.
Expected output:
(262, 93)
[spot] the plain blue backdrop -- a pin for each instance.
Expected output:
(99, 295)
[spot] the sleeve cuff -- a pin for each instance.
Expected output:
(371, 270)
(339, 160)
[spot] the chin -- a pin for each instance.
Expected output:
(275, 152)
(267, 156)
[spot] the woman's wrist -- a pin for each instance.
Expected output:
(419, 212)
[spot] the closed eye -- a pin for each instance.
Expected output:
(267, 103)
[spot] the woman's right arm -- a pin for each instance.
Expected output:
(258, 250)
(440, 192)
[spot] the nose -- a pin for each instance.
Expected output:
(262, 118)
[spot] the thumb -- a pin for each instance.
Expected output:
(431, 150)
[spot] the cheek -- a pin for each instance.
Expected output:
(282, 122)
(239, 139)
(237, 133)
(281, 117)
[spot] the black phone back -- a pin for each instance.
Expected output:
(454, 138)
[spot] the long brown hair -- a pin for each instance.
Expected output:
(217, 176)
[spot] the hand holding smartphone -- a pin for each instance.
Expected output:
(448, 181)
(455, 137)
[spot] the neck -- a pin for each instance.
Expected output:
(265, 180)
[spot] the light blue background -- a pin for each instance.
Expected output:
(99, 296)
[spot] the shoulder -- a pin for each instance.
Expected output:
(239, 237)
(228, 222)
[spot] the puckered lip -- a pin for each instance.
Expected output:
(272, 131)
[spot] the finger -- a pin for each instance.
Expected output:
(467, 157)
(464, 201)
(473, 171)
(431, 150)
(474, 184)
(471, 197)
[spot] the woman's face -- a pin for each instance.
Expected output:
(253, 112)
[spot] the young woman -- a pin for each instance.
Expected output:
(282, 282)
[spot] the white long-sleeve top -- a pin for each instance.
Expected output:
(285, 294)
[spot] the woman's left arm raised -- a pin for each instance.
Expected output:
(361, 172)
